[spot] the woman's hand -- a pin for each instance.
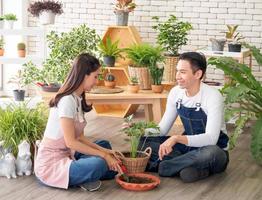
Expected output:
(113, 153)
(113, 163)
(166, 147)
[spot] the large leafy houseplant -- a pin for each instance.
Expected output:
(245, 90)
(64, 48)
(172, 33)
(135, 130)
(19, 122)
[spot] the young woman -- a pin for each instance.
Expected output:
(65, 156)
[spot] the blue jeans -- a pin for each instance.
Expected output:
(87, 168)
(211, 158)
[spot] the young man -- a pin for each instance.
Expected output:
(201, 150)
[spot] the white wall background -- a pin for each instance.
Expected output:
(208, 18)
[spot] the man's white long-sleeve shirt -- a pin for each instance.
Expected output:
(212, 103)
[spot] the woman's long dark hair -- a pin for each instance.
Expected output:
(83, 65)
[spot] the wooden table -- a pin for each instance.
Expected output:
(151, 101)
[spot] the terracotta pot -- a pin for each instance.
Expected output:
(110, 84)
(21, 53)
(139, 186)
(100, 83)
(133, 88)
(157, 88)
(2, 52)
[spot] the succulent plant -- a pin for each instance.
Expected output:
(21, 46)
(110, 77)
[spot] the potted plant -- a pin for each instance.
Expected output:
(110, 80)
(21, 49)
(2, 22)
(19, 92)
(9, 20)
(122, 8)
(246, 91)
(46, 10)
(110, 51)
(172, 34)
(142, 56)
(157, 76)
(217, 44)
(234, 39)
(133, 87)
(2, 43)
(21, 121)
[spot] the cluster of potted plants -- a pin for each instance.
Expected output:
(8, 20)
(46, 10)
(21, 48)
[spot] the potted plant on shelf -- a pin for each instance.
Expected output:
(142, 56)
(234, 39)
(122, 8)
(172, 34)
(110, 51)
(246, 91)
(9, 20)
(157, 76)
(110, 80)
(18, 80)
(21, 49)
(133, 87)
(46, 10)
(2, 43)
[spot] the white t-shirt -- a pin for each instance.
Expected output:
(67, 107)
(212, 103)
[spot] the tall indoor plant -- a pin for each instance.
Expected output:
(122, 8)
(245, 90)
(172, 34)
(46, 10)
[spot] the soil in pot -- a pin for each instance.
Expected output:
(135, 179)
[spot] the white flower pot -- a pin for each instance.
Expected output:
(9, 24)
(47, 17)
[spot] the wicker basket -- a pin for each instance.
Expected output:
(138, 164)
(143, 76)
(170, 68)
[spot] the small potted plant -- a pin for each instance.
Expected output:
(2, 43)
(19, 92)
(172, 35)
(122, 8)
(110, 80)
(9, 20)
(21, 49)
(234, 38)
(2, 22)
(133, 87)
(157, 76)
(46, 10)
(110, 51)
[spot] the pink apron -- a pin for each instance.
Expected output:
(54, 158)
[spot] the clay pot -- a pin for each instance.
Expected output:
(157, 88)
(133, 88)
(21, 53)
(110, 84)
(2, 52)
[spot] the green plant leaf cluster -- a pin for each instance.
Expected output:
(156, 74)
(10, 16)
(19, 122)
(232, 35)
(243, 97)
(135, 130)
(64, 48)
(172, 33)
(144, 55)
(109, 48)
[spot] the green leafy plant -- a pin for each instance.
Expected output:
(135, 130)
(134, 80)
(172, 34)
(156, 74)
(232, 35)
(10, 16)
(124, 6)
(21, 46)
(35, 8)
(2, 18)
(19, 122)
(144, 55)
(64, 48)
(18, 80)
(2, 43)
(109, 48)
(246, 91)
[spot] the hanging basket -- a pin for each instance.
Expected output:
(170, 68)
(138, 164)
(143, 76)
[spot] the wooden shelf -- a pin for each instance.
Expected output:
(121, 74)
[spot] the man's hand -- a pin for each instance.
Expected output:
(166, 147)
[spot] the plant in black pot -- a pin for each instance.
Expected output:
(45, 10)
(234, 38)
(172, 35)
(19, 81)
(110, 51)
(122, 8)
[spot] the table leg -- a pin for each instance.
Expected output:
(157, 110)
(148, 112)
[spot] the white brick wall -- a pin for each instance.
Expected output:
(208, 18)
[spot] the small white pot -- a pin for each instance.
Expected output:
(9, 24)
(47, 17)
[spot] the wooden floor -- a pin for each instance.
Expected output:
(241, 181)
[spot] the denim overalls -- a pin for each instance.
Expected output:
(211, 157)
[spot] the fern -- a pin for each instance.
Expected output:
(256, 141)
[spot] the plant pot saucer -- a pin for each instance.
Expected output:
(139, 186)
(53, 88)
